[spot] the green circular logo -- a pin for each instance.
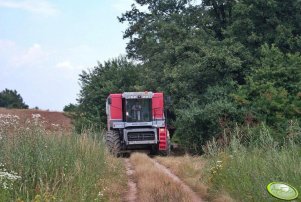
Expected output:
(282, 191)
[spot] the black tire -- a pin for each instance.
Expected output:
(154, 150)
(113, 142)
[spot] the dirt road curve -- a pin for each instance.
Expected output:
(151, 181)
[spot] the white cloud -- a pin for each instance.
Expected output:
(196, 2)
(124, 5)
(35, 6)
(5, 44)
(33, 55)
(64, 65)
(14, 55)
(8, 49)
(67, 70)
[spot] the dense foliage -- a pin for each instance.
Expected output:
(222, 61)
(11, 99)
(70, 108)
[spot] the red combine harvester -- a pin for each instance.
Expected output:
(136, 121)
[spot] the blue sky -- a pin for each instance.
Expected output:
(45, 44)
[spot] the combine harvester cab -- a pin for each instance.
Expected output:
(136, 121)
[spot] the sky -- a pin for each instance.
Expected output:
(46, 44)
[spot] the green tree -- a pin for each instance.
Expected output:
(183, 57)
(207, 116)
(273, 89)
(12, 99)
(255, 22)
(210, 58)
(217, 16)
(70, 108)
(114, 76)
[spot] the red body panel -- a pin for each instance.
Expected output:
(116, 106)
(162, 139)
(158, 106)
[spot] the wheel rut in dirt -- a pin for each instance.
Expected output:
(131, 195)
(185, 187)
(150, 181)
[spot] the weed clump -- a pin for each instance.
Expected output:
(249, 161)
(41, 165)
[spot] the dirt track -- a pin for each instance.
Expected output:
(170, 182)
(131, 195)
(186, 188)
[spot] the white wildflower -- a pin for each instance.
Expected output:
(55, 125)
(35, 116)
(7, 179)
(9, 176)
(7, 120)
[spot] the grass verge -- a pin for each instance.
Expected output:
(38, 165)
(240, 168)
(244, 170)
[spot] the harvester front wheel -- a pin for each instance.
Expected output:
(113, 142)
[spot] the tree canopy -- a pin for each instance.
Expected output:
(222, 61)
(11, 99)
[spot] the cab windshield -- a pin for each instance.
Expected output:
(138, 110)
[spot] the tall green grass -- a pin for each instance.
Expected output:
(249, 160)
(57, 167)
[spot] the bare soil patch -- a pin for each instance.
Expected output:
(131, 195)
(52, 121)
